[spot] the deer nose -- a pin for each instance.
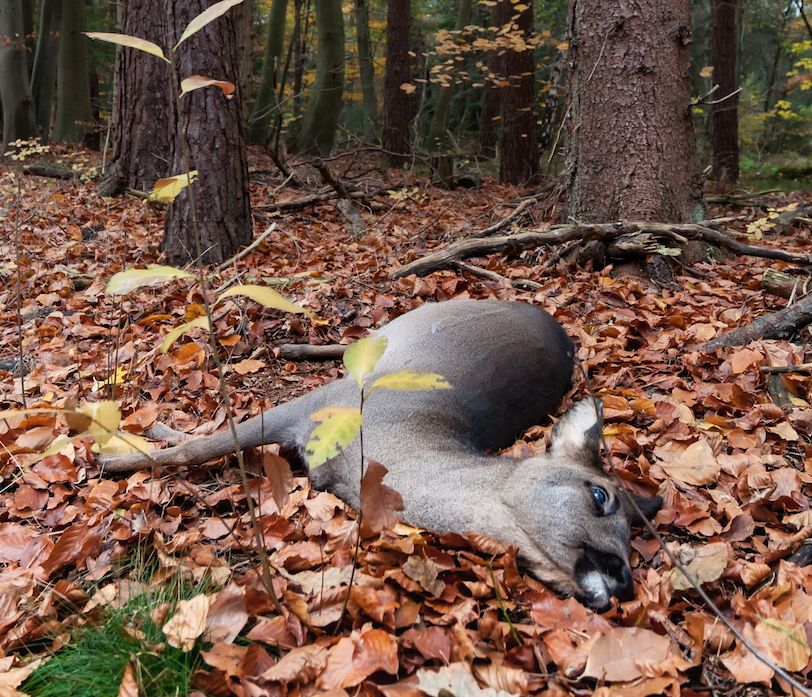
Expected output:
(625, 586)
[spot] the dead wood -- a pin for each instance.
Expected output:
(513, 244)
(48, 171)
(309, 352)
(519, 283)
(357, 227)
(777, 325)
(507, 220)
(785, 285)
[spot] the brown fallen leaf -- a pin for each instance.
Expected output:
(695, 464)
(379, 503)
(619, 654)
(188, 622)
(227, 614)
(705, 563)
(128, 686)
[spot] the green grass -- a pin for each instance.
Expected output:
(92, 663)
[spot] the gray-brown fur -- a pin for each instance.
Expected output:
(509, 365)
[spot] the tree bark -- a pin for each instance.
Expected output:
(43, 76)
(367, 70)
(73, 111)
(265, 107)
(725, 114)
(15, 91)
(631, 148)
(442, 105)
(320, 120)
(213, 128)
(141, 105)
(398, 104)
(518, 150)
(489, 117)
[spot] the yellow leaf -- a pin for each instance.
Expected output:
(103, 420)
(338, 428)
(154, 275)
(167, 189)
(195, 82)
(115, 378)
(407, 380)
(707, 71)
(267, 297)
(361, 357)
(128, 41)
(408, 87)
(122, 443)
(177, 332)
(208, 15)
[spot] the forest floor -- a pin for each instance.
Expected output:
(442, 612)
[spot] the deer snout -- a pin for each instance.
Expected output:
(601, 576)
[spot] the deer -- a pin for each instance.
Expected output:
(509, 365)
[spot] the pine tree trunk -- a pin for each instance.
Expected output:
(367, 70)
(725, 115)
(398, 104)
(214, 131)
(43, 76)
(442, 105)
(15, 91)
(264, 111)
(631, 141)
(73, 110)
(518, 149)
(141, 105)
(323, 110)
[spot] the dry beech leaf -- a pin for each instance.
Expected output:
(128, 686)
(425, 572)
(455, 679)
(705, 563)
(302, 664)
(619, 654)
(227, 614)
(379, 503)
(277, 470)
(695, 464)
(188, 622)
(785, 642)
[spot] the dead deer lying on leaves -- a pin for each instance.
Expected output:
(509, 365)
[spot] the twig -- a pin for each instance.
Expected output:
(309, 352)
(521, 283)
(799, 368)
(496, 227)
(250, 248)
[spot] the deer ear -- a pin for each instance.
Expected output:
(578, 432)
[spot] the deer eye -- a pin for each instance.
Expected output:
(600, 496)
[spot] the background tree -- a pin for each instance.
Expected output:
(264, 109)
(631, 141)
(321, 117)
(518, 151)
(725, 113)
(15, 91)
(73, 110)
(213, 127)
(367, 69)
(43, 75)
(141, 105)
(398, 104)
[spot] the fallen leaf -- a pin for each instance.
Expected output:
(621, 653)
(379, 503)
(705, 563)
(695, 464)
(188, 622)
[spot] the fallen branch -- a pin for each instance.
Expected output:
(799, 368)
(513, 244)
(777, 325)
(520, 283)
(496, 227)
(47, 171)
(311, 200)
(250, 248)
(309, 352)
(785, 285)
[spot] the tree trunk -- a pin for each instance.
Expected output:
(398, 104)
(213, 128)
(43, 76)
(724, 115)
(265, 107)
(141, 105)
(367, 70)
(518, 150)
(15, 91)
(73, 110)
(631, 150)
(489, 117)
(442, 105)
(320, 121)
(302, 11)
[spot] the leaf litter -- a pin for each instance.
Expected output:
(427, 614)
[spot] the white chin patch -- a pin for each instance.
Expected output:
(575, 424)
(594, 588)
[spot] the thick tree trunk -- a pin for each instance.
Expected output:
(43, 76)
(141, 105)
(73, 110)
(301, 13)
(631, 148)
(264, 110)
(725, 114)
(213, 128)
(518, 150)
(15, 91)
(367, 70)
(442, 105)
(326, 99)
(398, 104)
